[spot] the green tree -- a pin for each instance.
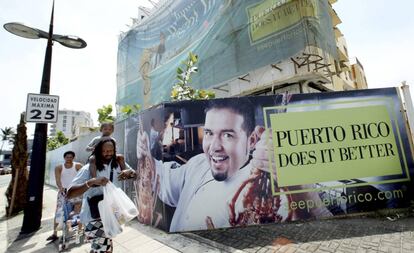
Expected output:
(182, 89)
(6, 135)
(105, 114)
(128, 110)
(57, 141)
(17, 189)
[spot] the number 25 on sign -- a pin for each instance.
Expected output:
(42, 108)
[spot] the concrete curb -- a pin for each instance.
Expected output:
(217, 245)
(186, 242)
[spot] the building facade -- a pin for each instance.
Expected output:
(71, 123)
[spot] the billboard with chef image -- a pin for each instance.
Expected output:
(269, 159)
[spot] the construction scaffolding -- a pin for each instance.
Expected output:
(231, 38)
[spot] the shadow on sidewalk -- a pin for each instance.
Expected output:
(20, 242)
(26, 244)
(36, 241)
(305, 232)
(15, 227)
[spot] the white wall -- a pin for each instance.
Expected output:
(55, 157)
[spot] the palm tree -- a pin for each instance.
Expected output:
(17, 189)
(6, 135)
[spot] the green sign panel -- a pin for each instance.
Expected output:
(270, 17)
(330, 145)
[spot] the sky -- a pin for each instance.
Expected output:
(84, 79)
(378, 32)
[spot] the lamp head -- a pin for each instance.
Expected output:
(23, 30)
(28, 32)
(69, 41)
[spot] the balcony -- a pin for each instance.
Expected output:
(338, 33)
(335, 18)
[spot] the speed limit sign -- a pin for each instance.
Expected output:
(42, 108)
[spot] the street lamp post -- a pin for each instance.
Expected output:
(33, 210)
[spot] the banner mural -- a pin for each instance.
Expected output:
(231, 38)
(269, 159)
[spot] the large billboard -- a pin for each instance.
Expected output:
(269, 159)
(231, 38)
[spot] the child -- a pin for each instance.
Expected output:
(107, 128)
(74, 219)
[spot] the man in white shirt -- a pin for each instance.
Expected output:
(64, 173)
(202, 188)
(107, 169)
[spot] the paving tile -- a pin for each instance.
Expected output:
(165, 249)
(147, 247)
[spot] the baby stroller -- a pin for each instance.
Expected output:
(72, 230)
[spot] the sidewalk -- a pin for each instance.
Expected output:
(371, 235)
(348, 235)
(135, 237)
